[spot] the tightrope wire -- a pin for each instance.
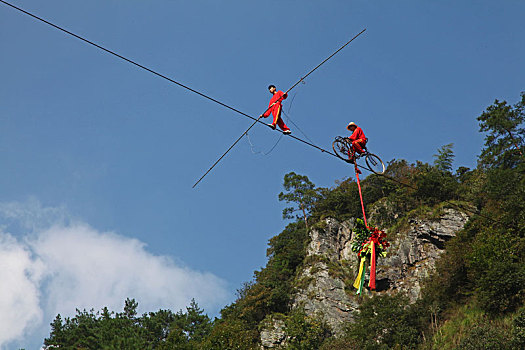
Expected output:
(219, 102)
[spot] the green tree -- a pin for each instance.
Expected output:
(386, 322)
(232, 334)
(485, 336)
(302, 192)
(305, 332)
(341, 202)
(518, 329)
(444, 158)
(130, 308)
(161, 330)
(157, 328)
(432, 185)
(194, 323)
(503, 125)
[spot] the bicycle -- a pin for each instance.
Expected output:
(343, 149)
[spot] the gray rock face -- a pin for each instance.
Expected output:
(413, 255)
(273, 335)
(324, 285)
(322, 292)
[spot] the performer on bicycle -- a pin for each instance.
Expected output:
(275, 108)
(357, 138)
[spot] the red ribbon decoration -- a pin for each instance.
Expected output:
(372, 283)
(376, 239)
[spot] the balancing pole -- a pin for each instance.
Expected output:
(287, 91)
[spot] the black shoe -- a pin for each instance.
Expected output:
(271, 126)
(287, 132)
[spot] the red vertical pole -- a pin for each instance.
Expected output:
(360, 194)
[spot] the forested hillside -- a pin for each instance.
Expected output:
(472, 299)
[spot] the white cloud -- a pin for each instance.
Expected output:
(30, 216)
(72, 265)
(19, 294)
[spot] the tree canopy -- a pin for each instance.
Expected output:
(504, 130)
(302, 192)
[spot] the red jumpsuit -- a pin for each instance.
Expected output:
(275, 108)
(358, 139)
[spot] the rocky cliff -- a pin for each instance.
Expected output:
(324, 284)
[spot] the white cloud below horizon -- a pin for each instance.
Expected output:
(66, 266)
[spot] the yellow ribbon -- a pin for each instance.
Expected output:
(357, 281)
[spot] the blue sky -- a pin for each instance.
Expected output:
(118, 148)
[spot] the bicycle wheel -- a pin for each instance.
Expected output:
(375, 164)
(341, 148)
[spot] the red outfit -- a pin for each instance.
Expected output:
(275, 108)
(358, 139)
